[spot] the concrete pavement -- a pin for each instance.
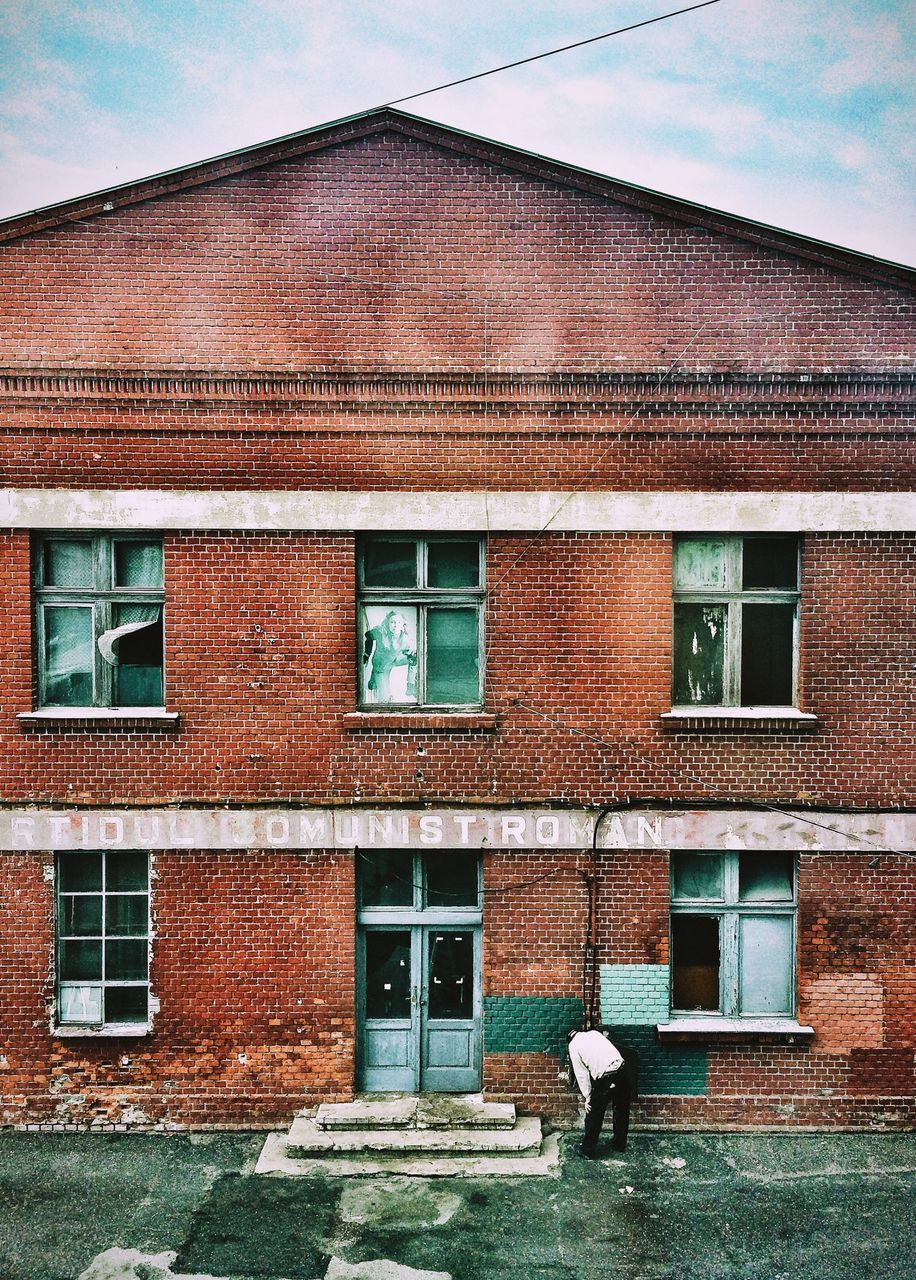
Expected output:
(675, 1207)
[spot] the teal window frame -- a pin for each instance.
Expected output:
(729, 910)
(728, 600)
(94, 990)
(100, 598)
(423, 599)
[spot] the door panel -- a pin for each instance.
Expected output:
(390, 1023)
(419, 1004)
(450, 1049)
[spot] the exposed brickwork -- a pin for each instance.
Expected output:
(437, 259)
(396, 314)
(253, 969)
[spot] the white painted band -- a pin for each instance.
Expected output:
(348, 827)
(335, 511)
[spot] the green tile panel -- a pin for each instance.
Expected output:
(664, 1068)
(634, 994)
(529, 1024)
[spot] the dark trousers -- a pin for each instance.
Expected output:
(615, 1089)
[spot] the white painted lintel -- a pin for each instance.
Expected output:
(480, 511)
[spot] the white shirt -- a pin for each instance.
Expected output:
(592, 1055)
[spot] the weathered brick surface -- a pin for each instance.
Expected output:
(497, 318)
(252, 964)
(391, 253)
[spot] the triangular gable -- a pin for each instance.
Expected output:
(352, 128)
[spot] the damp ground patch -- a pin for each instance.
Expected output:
(253, 1227)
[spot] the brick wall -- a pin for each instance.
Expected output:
(252, 966)
(510, 333)
(261, 666)
(395, 254)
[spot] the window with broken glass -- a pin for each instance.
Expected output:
(733, 934)
(735, 621)
(103, 938)
(99, 607)
(421, 622)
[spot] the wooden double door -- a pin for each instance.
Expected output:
(419, 973)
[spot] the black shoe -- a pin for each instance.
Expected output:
(617, 1147)
(589, 1155)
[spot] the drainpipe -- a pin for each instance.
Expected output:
(590, 988)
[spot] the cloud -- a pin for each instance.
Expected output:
(790, 113)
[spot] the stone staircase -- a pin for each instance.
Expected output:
(419, 1135)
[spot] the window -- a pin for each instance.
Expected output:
(733, 934)
(99, 621)
(395, 878)
(420, 616)
(735, 622)
(102, 938)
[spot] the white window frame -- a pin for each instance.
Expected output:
(91, 992)
(732, 596)
(423, 598)
(100, 598)
(730, 910)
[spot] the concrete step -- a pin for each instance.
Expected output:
(276, 1161)
(412, 1111)
(306, 1139)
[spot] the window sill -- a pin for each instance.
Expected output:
(108, 1030)
(101, 717)
(419, 722)
(740, 719)
(712, 1029)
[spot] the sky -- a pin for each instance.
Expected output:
(797, 113)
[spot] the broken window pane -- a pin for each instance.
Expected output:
(765, 877)
(695, 962)
(765, 960)
(386, 878)
(69, 659)
(452, 656)
(453, 564)
(767, 648)
(451, 880)
(388, 985)
(770, 562)
(696, 875)
(135, 645)
(699, 563)
(389, 563)
(68, 564)
(451, 974)
(126, 1004)
(699, 654)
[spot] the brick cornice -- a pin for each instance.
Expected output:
(470, 389)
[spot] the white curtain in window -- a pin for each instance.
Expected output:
(134, 617)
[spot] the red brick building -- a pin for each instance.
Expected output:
(449, 595)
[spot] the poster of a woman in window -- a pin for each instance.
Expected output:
(390, 655)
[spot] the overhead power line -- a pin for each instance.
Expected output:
(536, 57)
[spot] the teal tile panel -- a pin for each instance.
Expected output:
(664, 1068)
(634, 994)
(529, 1024)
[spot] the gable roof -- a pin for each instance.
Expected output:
(387, 119)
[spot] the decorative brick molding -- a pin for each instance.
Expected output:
(473, 388)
